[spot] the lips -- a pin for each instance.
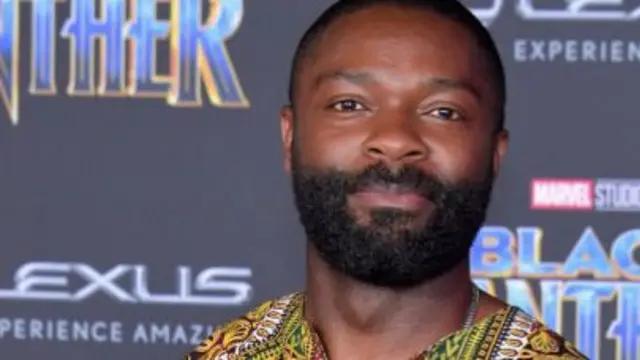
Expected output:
(391, 196)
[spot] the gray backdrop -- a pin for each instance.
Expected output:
(134, 218)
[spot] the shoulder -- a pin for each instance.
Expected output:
(520, 336)
(258, 329)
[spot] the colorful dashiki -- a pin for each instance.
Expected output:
(276, 330)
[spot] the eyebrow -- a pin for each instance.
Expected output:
(361, 77)
(455, 84)
(357, 77)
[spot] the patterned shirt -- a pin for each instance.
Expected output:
(277, 330)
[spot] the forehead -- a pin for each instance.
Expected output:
(400, 41)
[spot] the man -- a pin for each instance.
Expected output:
(393, 138)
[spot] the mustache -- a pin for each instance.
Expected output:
(406, 179)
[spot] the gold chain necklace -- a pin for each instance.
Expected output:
(472, 311)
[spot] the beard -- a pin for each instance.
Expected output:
(395, 248)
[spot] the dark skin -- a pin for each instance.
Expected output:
(398, 86)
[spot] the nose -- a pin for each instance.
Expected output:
(395, 142)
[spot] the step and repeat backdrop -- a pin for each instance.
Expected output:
(142, 197)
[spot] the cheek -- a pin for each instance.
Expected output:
(333, 148)
(461, 158)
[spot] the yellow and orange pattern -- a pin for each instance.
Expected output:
(276, 330)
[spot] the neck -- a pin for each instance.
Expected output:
(387, 323)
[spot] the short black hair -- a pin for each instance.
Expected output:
(451, 9)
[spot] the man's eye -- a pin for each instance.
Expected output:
(348, 105)
(445, 113)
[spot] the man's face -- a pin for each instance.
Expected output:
(391, 145)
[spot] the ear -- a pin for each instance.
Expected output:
(501, 144)
(286, 132)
